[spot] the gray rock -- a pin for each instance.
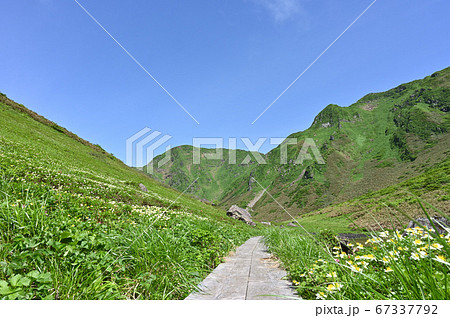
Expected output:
(206, 201)
(241, 214)
(441, 224)
(292, 224)
(143, 187)
(266, 223)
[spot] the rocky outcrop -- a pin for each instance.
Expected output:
(241, 214)
(442, 224)
(252, 203)
(143, 187)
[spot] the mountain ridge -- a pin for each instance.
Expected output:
(368, 145)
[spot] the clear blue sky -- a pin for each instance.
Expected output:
(225, 61)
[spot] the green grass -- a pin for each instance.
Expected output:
(321, 222)
(387, 266)
(74, 223)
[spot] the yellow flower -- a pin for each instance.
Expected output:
(388, 269)
(385, 260)
(369, 256)
(356, 268)
(436, 246)
(415, 256)
(321, 295)
(441, 259)
(417, 242)
(334, 286)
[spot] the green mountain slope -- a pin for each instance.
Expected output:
(382, 139)
(215, 176)
(75, 224)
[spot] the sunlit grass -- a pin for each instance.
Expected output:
(389, 265)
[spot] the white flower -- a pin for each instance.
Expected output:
(436, 246)
(334, 286)
(441, 259)
(321, 295)
(356, 269)
(332, 274)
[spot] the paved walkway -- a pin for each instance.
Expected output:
(251, 273)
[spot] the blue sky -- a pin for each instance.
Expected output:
(224, 61)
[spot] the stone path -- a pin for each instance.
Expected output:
(251, 273)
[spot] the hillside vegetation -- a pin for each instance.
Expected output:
(379, 141)
(74, 223)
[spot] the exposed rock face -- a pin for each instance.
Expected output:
(250, 182)
(441, 224)
(252, 203)
(238, 213)
(143, 187)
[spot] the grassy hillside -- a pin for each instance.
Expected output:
(215, 176)
(388, 208)
(381, 140)
(74, 223)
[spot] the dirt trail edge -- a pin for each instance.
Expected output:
(251, 273)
